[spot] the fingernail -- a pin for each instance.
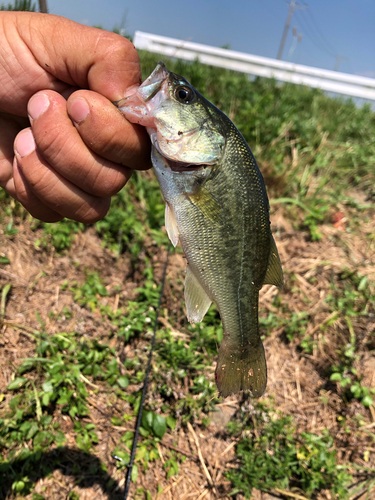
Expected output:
(25, 143)
(37, 105)
(78, 109)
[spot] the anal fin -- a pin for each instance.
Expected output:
(274, 274)
(196, 298)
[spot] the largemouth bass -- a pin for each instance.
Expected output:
(217, 207)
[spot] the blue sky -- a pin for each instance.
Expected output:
(329, 28)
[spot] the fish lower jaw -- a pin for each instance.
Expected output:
(171, 164)
(178, 166)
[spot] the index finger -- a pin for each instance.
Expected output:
(78, 55)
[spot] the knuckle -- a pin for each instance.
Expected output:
(94, 211)
(102, 180)
(116, 45)
(51, 142)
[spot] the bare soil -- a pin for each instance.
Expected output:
(297, 381)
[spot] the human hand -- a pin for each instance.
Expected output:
(65, 158)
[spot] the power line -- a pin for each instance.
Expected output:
(307, 28)
(312, 29)
(322, 36)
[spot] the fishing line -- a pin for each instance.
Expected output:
(145, 384)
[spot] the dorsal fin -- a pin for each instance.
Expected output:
(274, 274)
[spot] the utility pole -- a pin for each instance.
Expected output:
(43, 6)
(339, 58)
(292, 5)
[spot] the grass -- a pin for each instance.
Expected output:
(67, 367)
(274, 458)
(77, 384)
(307, 147)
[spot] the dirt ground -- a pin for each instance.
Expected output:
(296, 381)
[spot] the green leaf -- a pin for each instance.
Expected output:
(102, 290)
(4, 293)
(356, 390)
(141, 452)
(46, 398)
(4, 260)
(335, 376)
(47, 386)
(134, 473)
(19, 486)
(171, 422)
(159, 425)
(60, 437)
(367, 401)
(42, 438)
(362, 284)
(345, 381)
(143, 432)
(33, 430)
(147, 417)
(123, 382)
(14, 402)
(17, 383)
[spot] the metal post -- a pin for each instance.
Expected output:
(43, 6)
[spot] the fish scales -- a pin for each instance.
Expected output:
(217, 207)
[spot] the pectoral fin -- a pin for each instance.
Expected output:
(196, 298)
(207, 204)
(274, 274)
(171, 225)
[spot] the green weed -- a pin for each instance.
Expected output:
(90, 292)
(303, 140)
(55, 378)
(354, 298)
(271, 456)
(312, 150)
(60, 235)
(137, 212)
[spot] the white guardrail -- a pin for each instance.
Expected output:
(332, 81)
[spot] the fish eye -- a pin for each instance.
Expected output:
(184, 94)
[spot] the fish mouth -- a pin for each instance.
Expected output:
(179, 166)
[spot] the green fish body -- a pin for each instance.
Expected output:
(217, 206)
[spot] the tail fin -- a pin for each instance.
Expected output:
(241, 368)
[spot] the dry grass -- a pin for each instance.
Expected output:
(297, 382)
